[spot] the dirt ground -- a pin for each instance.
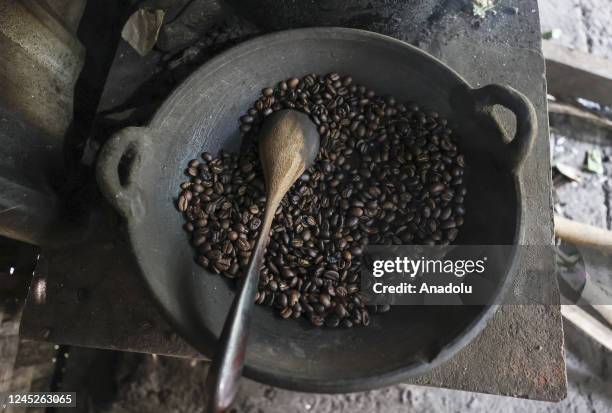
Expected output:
(584, 25)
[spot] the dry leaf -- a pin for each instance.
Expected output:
(569, 171)
(142, 28)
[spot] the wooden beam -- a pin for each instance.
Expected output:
(564, 109)
(578, 233)
(570, 73)
(589, 325)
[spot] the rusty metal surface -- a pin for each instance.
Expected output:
(90, 294)
(94, 296)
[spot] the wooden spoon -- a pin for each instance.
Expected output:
(288, 144)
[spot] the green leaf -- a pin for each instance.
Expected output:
(594, 161)
(481, 7)
(552, 34)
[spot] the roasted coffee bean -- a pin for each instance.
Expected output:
(214, 255)
(387, 173)
(203, 261)
(332, 321)
(448, 224)
(183, 203)
(325, 300)
(286, 272)
(331, 275)
(316, 320)
(294, 296)
(254, 224)
(383, 308)
(244, 245)
(222, 264)
(341, 311)
(436, 188)
(293, 83)
(451, 234)
(365, 318)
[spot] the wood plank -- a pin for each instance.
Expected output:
(588, 324)
(570, 73)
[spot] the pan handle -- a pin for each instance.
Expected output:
(526, 119)
(118, 163)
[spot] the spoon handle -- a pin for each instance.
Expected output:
(226, 368)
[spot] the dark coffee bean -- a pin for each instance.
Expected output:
(203, 261)
(436, 188)
(331, 275)
(183, 203)
(198, 240)
(445, 214)
(325, 300)
(214, 255)
(332, 321)
(286, 272)
(293, 82)
(244, 245)
(247, 119)
(448, 224)
(341, 291)
(316, 320)
(281, 300)
(460, 161)
(294, 296)
(255, 224)
(387, 173)
(341, 311)
(374, 191)
(365, 318)
(286, 312)
(222, 264)
(383, 308)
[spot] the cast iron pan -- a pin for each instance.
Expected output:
(202, 115)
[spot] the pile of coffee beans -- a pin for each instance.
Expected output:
(387, 173)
